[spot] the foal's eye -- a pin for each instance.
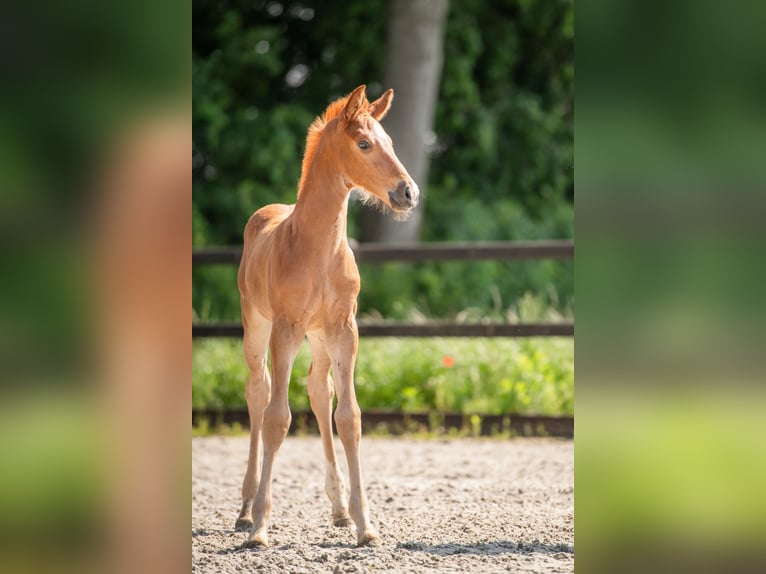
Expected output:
(364, 145)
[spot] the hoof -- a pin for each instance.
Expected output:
(256, 544)
(243, 524)
(369, 539)
(342, 521)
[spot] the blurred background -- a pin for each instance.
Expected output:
(670, 175)
(95, 219)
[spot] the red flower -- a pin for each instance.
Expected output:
(448, 361)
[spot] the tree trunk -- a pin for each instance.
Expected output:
(414, 54)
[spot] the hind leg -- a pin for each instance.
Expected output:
(321, 393)
(257, 393)
(286, 338)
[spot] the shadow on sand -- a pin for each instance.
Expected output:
(487, 548)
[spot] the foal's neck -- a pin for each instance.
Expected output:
(322, 206)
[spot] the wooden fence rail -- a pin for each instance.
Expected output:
(418, 252)
(413, 253)
(430, 329)
(400, 422)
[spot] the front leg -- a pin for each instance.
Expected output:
(342, 344)
(321, 396)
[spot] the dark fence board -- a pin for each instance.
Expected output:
(418, 252)
(431, 329)
(398, 423)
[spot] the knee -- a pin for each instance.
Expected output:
(258, 388)
(276, 422)
(348, 419)
(320, 389)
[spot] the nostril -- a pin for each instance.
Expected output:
(408, 193)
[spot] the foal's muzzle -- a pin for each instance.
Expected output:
(405, 196)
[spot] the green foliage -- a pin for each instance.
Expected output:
(54, 450)
(262, 71)
(488, 376)
(449, 288)
(505, 114)
(219, 375)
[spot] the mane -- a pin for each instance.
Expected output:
(315, 132)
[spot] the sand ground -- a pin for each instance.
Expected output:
(440, 505)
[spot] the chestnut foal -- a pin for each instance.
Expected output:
(297, 278)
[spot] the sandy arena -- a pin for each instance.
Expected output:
(440, 505)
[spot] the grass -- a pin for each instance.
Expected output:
(488, 376)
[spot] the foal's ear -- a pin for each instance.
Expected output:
(379, 108)
(355, 103)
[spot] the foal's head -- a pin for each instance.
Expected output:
(365, 152)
